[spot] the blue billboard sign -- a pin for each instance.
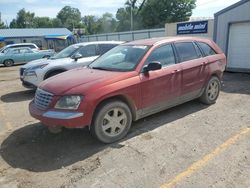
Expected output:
(192, 27)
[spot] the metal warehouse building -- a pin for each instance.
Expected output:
(232, 34)
(47, 38)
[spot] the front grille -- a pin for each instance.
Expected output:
(42, 98)
(22, 71)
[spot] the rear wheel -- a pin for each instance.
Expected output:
(211, 91)
(111, 122)
(8, 63)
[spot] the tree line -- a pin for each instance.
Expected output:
(135, 15)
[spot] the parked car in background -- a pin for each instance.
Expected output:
(77, 55)
(19, 45)
(129, 82)
(23, 55)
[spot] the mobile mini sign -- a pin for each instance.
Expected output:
(192, 27)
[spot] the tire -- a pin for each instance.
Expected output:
(8, 63)
(52, 74)
(112, 121)
(55, 130)
(211, 91)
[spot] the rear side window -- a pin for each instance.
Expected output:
(186, 51)
(206, 49)
(103, 48)
(31, 46)
(26, 50)
(88, 51)
(28, 45)
(163, 54)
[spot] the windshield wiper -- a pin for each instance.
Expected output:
(100, 68)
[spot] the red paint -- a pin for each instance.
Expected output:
(142, 90)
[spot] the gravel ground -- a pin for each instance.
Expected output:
(191, 145)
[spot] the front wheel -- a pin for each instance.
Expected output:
(211, 91)
(112, 122)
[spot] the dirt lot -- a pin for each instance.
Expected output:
(192, 145)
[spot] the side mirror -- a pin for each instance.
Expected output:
(152, 66)
(76, 56)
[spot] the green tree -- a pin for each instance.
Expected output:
(91, 24)
(56, 22)
(2, 25)
(23, 20)
(43, 22)
(155, 13)
(13, 24)
(123, 15)
(70, 17)
(106, 23)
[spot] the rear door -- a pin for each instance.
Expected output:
(30, 55)
(192, 65)
(212, 58)
(161, 88)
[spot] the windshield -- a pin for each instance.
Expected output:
(120, 58)
(3, 50)
(67, 52)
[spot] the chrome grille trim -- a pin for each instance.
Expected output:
(43, 99)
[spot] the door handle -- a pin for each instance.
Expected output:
(175, 71)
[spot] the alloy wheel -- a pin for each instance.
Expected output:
(213, 90)
(114, 122)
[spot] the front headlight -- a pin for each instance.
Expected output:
(71, 102)
(29, 73)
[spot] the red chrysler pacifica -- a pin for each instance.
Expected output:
(129, 82)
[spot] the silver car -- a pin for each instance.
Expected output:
(77, 55)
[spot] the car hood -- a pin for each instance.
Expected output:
(45, 61)
(77, 81)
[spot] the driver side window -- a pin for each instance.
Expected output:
(15, 51)
(88, 51)
(163, 54)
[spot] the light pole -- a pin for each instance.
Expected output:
(131, 18)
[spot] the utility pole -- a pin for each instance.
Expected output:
(131, 18)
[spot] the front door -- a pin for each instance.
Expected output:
(161, 89)
(89, 54)
(16, 55)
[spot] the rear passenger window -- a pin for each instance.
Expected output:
(206, 49)
(186, 51)
(88, 51)
(103, 48)
(31, 46)
(163, 54)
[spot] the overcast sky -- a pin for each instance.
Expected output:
(9, 8)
